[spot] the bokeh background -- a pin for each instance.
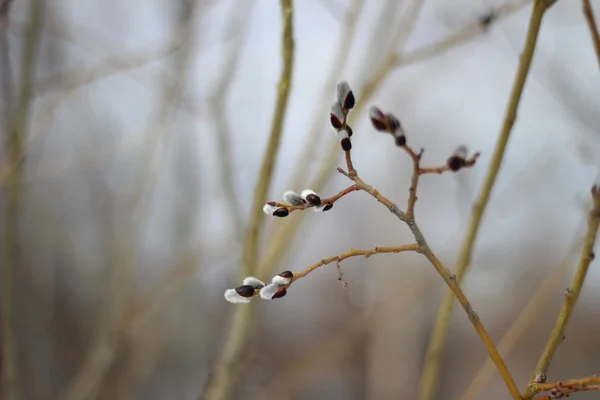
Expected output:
(143, 136)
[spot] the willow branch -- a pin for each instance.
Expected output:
(238, 21)
(524, 321)
(462, 36)
(320, 113)
(17, 126)
(449, 279)
(571, 296)
(223, 381)
(591, 21)
(355, 253)
(434, 353)
(565, 388)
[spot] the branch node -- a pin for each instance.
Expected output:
(539, 378)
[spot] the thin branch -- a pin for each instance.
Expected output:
(313, 139)
(591, 21)
(433, 358)
(107, 338)
(328, 200)
(462, 36)
(449, 279)
(354, 253)
(568, 387)
(237, 23)
(571, 295)
(223, 380)
(266, 171)
(526, 318)
(325, 355)
(17, 130)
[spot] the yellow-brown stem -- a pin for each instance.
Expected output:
(571, 296)
(433, 358)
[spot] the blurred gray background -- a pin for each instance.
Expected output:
(146, 129)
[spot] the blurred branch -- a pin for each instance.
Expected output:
(434, 353)
(313, 139)
(571, 296)
(526, 318)
(325, 355)
(565, 388)
(108, 333)
(238, 22)
(334, 8)
(111, 65)
(222, 383)
(17, 126)
(591, 21)
(463, 36)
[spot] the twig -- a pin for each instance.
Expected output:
(320, 112)
(16, 126)
(326, 354)
(526, 318)
(220, 97)
(565, 388)
(571, 295)
(449, 278)
(354, 253)
(429, 378)
(226, 371)
(591, 21)
(461, 37)
(107, 337)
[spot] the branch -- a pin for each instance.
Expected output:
(449, 279)
(591, 21)
(463, 36)
(524, 321)
(571, 296)
(220, 96)
(226, 371)
(16, 126)
(354, 253)
(565, 388)
(434, 354)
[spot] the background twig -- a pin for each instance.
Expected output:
(17, 126)
(222, 383)
(591, 21)
(571, 296)
(433, 358)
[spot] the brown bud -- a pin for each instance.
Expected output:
(280, 293)
(245, 291)
(281, 212)
(286, 274)
(346, 144)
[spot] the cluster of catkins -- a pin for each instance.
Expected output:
(339, 111)
(293, 200)
(382, 122)
(252, 286)
(388, 123)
